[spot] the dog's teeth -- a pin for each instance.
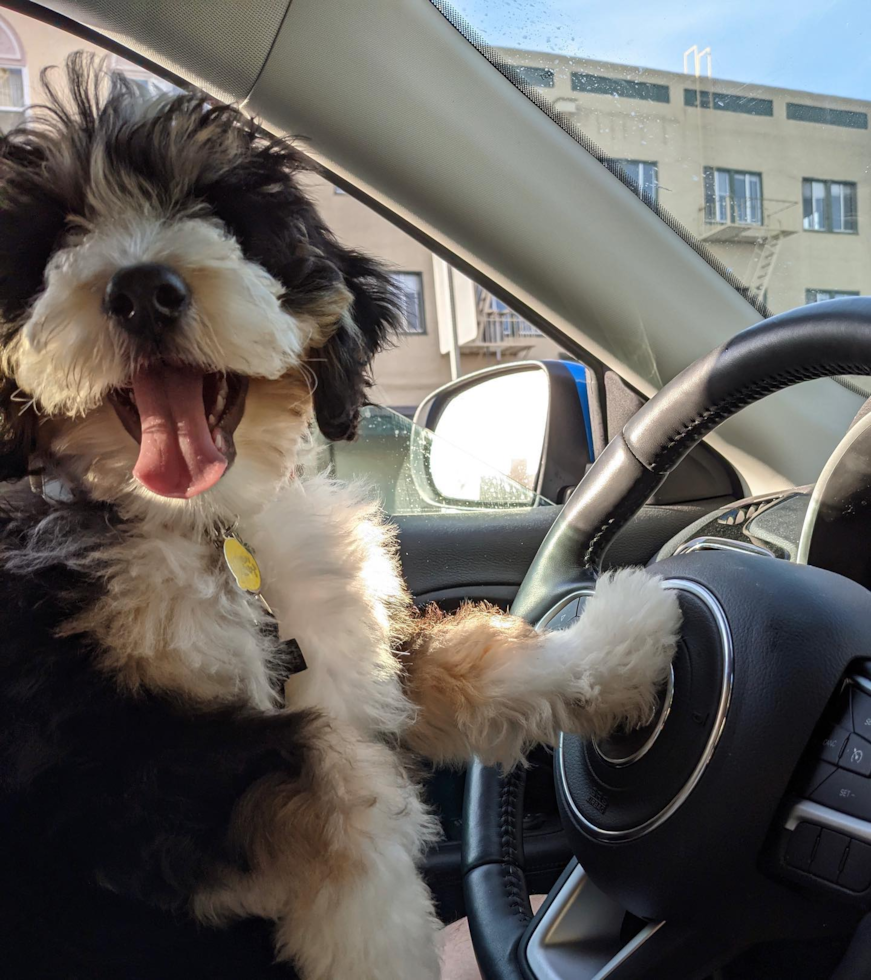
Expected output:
(212, 420)
(220, 402)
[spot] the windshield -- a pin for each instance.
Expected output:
(744, 125)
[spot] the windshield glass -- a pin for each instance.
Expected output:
(745, 125)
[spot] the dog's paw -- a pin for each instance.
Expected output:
(626, 640)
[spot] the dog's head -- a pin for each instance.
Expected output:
(172, 307)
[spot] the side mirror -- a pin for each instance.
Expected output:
(528, 420)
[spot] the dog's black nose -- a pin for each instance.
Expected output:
(146, 299)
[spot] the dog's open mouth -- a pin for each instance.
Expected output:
(184, 420)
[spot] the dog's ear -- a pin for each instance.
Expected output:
(341, 366)
(31, 219)
(18, 424)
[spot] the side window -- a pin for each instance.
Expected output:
(13, 76)
(411, 287)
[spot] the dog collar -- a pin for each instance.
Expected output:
(239, 559)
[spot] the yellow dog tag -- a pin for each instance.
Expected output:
(243, 565)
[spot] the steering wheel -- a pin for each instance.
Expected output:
(709, 830)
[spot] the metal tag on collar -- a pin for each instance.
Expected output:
(243, 566)
(240, 559)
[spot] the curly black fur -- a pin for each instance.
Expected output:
(115, 808)
(181, 155)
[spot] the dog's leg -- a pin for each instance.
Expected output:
(228, 813)
(333, 859)
(487, 684)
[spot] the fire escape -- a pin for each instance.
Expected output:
(500, 330)
(758, 223)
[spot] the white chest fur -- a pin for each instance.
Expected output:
(331, 579)
(173, 619)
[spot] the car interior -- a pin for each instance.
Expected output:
(731, 837)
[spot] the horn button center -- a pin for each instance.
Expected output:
(624, 786)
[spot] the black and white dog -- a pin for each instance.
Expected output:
(173, 313)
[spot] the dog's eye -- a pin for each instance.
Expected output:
(74, 231)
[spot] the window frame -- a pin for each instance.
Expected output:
(832, 294)
(711, 207)
(536, 76)
(623, 88)
(626, 162)
(25, 88)
(827, 206)
(16, 60)
(421, 305)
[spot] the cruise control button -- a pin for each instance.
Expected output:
(800, 849)
(861, 711)
(829, 855)
(812, 775)
(845, 791)
(828, 748)
(857, 756)
(856, 872)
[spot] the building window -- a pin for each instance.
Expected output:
(644, 174)
(12, 99)
(829, 205)
(821, 295)
(540, 77)
(13, 78)
(498, 323)
(828, 117)
(622, 87)
(728, 103)
(410, 286)
(733, 196)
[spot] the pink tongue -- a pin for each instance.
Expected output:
(177, 456)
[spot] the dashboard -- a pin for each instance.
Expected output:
(767, 525)
(817, 525)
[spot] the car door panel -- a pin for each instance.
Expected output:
(484, 555)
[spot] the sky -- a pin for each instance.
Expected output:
(822, 46)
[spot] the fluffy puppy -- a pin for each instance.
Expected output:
(174, 312)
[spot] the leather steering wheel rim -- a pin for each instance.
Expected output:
(821, 340)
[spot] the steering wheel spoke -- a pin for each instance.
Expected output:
(581, 934)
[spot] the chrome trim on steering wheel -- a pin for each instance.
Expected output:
(577, 936)
(651, 738)
(632, 833)
(722, 544)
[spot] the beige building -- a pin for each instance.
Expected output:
(774, 182)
